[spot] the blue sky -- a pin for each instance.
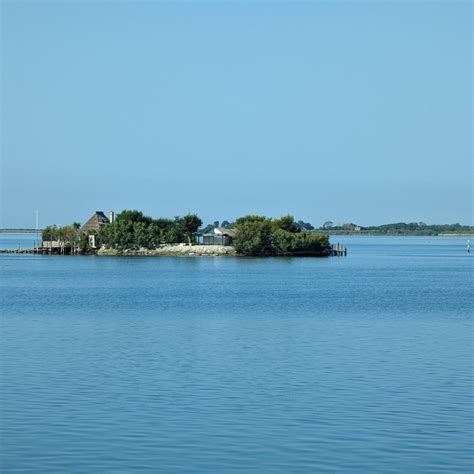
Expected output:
(344, 111)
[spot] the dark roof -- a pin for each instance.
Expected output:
(97, 219)
(205, 230)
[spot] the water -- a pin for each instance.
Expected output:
(356, 364)
(19, 241)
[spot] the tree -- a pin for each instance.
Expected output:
(159, 230)
(311, 243)
(49, 233)
(251, 218)
(141, 237)
(191, 224)
(304, 225)
(208, 228)
(328, 225)
(284, 241)
(286, 223)
(130, 216)
(254, 236)
(174, 234)
(300, 243)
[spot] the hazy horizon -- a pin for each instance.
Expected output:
(350, 112)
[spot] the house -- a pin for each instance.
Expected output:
(97, 219)
(91, 227)
(216, 236)
(52, 244)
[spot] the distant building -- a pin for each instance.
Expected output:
(216, 236)
(52, 244)
(97, 220)
(352, 227)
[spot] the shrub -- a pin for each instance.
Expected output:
(254, 236)
(261, 236)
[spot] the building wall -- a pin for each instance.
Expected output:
(51, 244)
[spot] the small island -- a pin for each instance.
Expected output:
(132, 233)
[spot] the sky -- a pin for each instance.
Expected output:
(344, 111)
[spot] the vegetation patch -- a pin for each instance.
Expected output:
(134, 230)
(262, 236)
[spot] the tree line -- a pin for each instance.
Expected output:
(398, 228)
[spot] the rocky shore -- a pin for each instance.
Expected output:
(173, 250)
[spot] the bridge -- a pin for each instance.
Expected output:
(21, 231)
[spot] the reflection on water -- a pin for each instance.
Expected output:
(359, 364)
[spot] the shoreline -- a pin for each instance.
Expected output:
(176, 250)
(165, 250)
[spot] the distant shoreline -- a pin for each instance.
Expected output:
(375, 234)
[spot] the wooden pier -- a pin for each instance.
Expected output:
(45, 251)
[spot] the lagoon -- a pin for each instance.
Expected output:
(217, 364)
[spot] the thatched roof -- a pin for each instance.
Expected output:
(97, 219)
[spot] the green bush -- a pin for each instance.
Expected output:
(301, 242)
(286, 223)
(261, 236)
(254, 236)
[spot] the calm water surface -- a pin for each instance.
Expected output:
(19, 241)
(357, 364)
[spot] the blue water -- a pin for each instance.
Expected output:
(356, 364)
(19, 241)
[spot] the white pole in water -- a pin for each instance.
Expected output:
(468, 246)
(37, 227)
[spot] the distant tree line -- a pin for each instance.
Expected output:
(399, 228)
(419, 228)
